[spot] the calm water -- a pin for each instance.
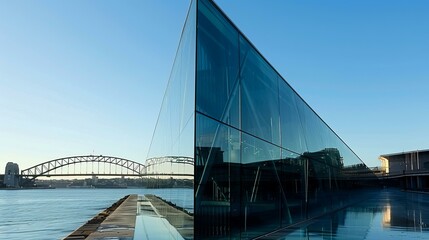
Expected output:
(54, 213)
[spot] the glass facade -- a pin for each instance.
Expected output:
(173, 138)
(174, 131)
(263, 159)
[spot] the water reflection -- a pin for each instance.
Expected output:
(387, 214)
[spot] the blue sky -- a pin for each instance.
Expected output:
(83, 77)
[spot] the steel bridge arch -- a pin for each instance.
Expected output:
(150, 162)
(46, 167)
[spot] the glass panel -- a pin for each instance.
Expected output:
(259, 95)
(217, 71)
(172, 146)
(321, 179)
(292, 135)
(217, 179)
(293, 187)
(311, 125)
(177, 109)
(264, 158)
(261, 194)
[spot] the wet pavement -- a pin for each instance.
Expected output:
(385, 214)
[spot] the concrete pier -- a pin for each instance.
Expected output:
(117, 221)
(182, 221)
(138, 218)
(159, 219)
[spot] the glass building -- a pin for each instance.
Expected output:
(263, 159)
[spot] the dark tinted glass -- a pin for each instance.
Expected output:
(217, 67)
(292, 187)
(264, 159)
(312, 127)
(259, 95)
(292, 134)
(217, 179)
(261, 196)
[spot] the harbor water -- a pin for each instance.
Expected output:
(55, 213)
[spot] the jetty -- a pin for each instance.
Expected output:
(136, 217)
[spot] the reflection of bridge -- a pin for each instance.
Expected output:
(109, 166)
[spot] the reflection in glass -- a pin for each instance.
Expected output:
(292, 135)
(217, 179)
(173, 137)
(259, 95)
(264, 159)
(174, 131)
(261, 194)
(217, 48)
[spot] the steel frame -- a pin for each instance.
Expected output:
(43, 169)
(46, 167)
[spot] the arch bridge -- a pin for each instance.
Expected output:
(121, 167)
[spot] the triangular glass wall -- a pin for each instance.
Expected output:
(174, 130)
(170, 160)
(260, 158)
(264, 160)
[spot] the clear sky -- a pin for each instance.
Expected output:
(88, 77)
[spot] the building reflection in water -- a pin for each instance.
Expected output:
(388, 214)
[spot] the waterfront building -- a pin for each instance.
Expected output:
(405, 162)
(263, 159)
(409, 170)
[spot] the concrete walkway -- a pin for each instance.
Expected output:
(121, 215)
(157, 219)
(137, 218)
(119, 224)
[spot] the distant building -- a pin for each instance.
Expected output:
(1, 181)
(405, 162)
(11, 175)
(412, 167)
